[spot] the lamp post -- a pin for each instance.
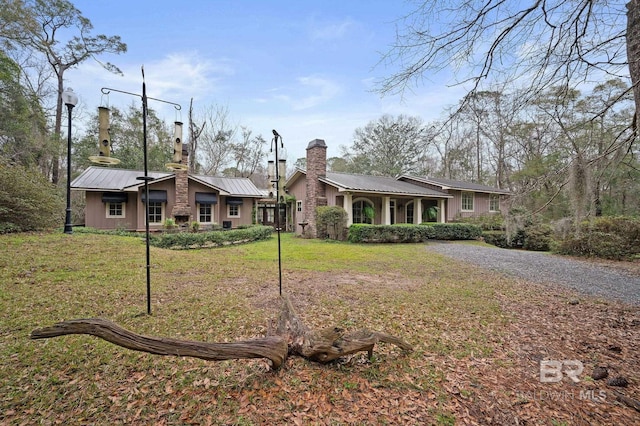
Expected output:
(146, 178)
(70, 100)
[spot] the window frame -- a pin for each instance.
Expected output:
(232, 214)
(494, 198)
(123, 209)
(211, 213)
(154, 215)
(464, 195)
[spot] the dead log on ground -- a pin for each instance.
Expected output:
(272, 347)
(290, 337)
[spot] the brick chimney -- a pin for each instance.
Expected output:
(181, 211)
(316, 168)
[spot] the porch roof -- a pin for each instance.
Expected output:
(379, 184)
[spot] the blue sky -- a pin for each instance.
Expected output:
(304, 68)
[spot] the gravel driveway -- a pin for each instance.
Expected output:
(582, 276)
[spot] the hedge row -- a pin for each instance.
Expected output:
(615, 238)
(403, 233)
(186, 240)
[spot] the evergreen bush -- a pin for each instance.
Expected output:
(28, 201)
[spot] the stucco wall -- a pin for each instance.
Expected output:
(96, 214)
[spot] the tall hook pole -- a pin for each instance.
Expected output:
(276, 136)
(146, 189)
(146, 178)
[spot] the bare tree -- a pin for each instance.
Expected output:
(249, 153)
(546, 44)
(215, 142)
(39, 28)
(194, 133)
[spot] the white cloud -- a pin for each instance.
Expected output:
(309, 92)
(320, 31)
(174, 77)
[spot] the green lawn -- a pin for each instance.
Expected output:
(447, 310)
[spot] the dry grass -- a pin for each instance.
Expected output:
(478, 337)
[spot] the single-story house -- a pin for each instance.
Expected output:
(115, 198)
(383, 200)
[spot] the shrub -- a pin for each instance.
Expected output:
(487, 222)
(331, 222)
(186, 240)
(28, 201)
(454, 231)
(538, 237)
(606, 237)
(407, 233)
(497, 238)
(594, 244)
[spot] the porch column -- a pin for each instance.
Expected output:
(347, 204)
(441, 211)
(386, 210)
(417, 211)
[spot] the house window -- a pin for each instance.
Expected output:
(115, 210)
(155, 212)
(205, 213)
(408, 210)
(233, 210)
(299, 205)
(363, 211)
(494, 203)
(467, 201)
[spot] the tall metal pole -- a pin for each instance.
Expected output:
(146, 189)
(146, 178)
(277, 212)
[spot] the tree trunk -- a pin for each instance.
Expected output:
(633, 52)
(290, 337)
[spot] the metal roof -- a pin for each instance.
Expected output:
(457, 184)
(237, 187)
(379, 184)
(107, 179)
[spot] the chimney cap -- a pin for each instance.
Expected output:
(317, 143)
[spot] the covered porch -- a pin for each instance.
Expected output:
(390, 209)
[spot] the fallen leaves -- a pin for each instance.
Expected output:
(479, 339)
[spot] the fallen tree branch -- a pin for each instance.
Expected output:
(273, 348)
(291, 337)
(327, 344)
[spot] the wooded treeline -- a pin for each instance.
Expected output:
(564, 149)
(555, 153)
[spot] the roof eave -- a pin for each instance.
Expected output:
(403, 194)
